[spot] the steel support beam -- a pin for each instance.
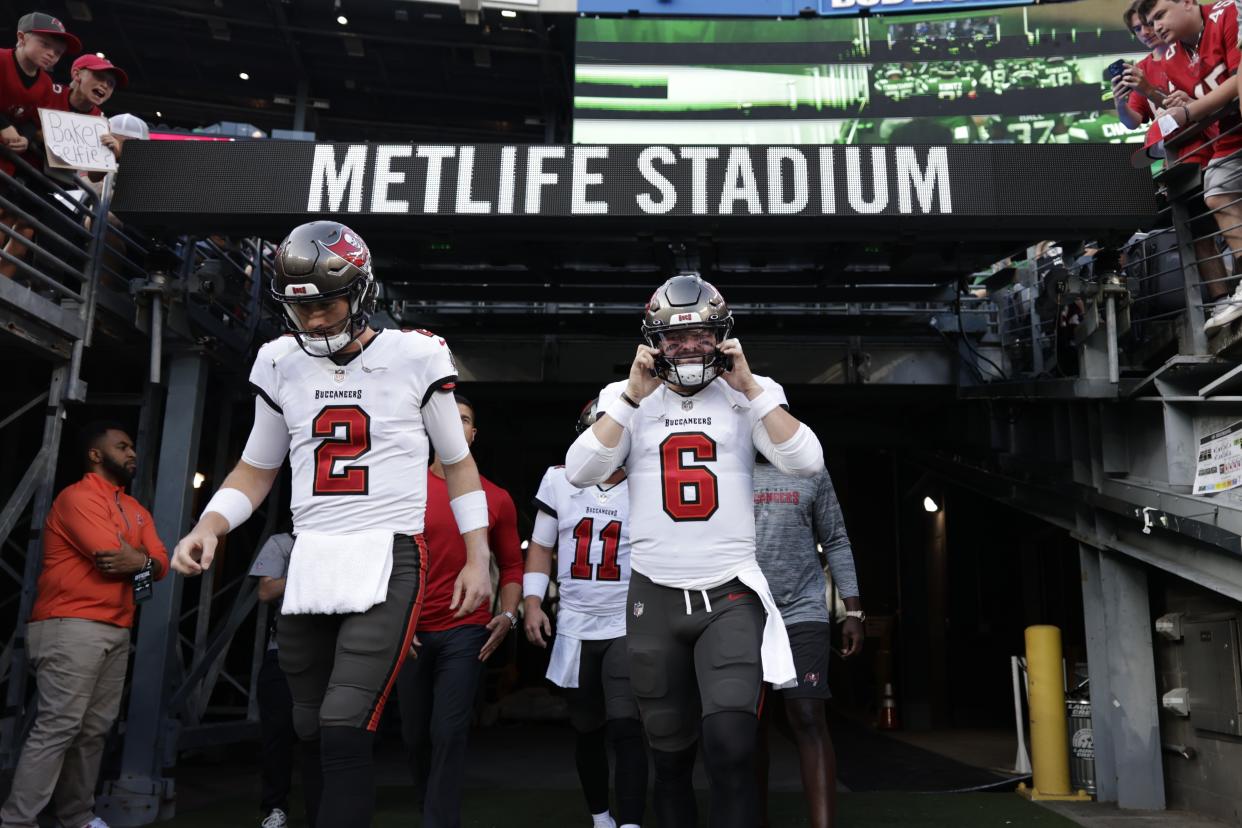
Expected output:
(40, 479)
(142, 794)
(1134, 719)
(1103, 715)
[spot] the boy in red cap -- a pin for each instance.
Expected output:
(24, 86)
(93, 80)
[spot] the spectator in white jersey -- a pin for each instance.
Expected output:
(702, 630)
(794, 516)
(354, 408)
(588, 531)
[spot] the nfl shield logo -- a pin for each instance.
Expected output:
(339, 374)
(638, 608)
(687, 405)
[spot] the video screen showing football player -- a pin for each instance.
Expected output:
(353, 408)
(702, 630)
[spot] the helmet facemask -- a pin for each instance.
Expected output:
(333, 341)
(691, 371)
(687, 303)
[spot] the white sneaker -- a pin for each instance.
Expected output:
(603, 820)
(96, 823)
(1226, 310)
(276, 819)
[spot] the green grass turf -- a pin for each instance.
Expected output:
(564, 809)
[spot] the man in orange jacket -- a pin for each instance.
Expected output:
(100, 552)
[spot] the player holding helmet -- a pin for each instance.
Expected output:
(589, 529)
(686, 425)
(353, 408)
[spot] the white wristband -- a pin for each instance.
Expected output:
(536, 584)
(621, 412)
(763, 404)
(231, 504)
(470, 510)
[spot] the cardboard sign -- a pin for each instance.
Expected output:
(75, 141)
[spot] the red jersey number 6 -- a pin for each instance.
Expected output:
(690, 490)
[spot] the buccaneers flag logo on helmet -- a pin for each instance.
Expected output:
(351, 248)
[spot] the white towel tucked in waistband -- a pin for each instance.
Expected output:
(338, 574)
(778, 663)
(566, 662)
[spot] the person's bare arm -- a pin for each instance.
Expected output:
(271, 589)
(195, 551)
(473, 587)
(536, 624)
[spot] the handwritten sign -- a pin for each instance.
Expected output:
(75, 141)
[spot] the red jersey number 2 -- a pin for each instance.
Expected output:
(346, 433)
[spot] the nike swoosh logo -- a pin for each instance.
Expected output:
(733, 596)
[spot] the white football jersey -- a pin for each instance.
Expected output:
(691, 473)
(592, 554)
(358, 446)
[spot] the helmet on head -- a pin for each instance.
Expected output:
(686, 302)
(587, 416)
(318, 261)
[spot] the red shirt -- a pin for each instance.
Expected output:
(1215, 64)
(20, 99)
(58, 98)
(1152, 68)
(21, 95)
(446, 553)
(86, 518)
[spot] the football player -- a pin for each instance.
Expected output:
(589, 529)
(686, 425)
(353, 407)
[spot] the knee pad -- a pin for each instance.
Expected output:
(729, 738)
(306, 723)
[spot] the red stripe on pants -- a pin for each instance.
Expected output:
(410, 625)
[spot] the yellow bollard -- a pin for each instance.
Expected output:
(1049, 734)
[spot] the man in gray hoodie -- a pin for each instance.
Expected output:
(795, 517)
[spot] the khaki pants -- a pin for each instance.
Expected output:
(79, 669)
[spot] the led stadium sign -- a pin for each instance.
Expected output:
(472, 182)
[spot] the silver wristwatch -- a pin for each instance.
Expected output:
(859, 614)
(513, 619)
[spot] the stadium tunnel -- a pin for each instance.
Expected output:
(887, 345)
(996, 467)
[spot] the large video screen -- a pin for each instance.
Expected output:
(1015, 75)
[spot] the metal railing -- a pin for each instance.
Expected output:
(70, 260)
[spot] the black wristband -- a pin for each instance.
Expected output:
(626, 398)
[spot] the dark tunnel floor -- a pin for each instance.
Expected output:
(522, 775)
